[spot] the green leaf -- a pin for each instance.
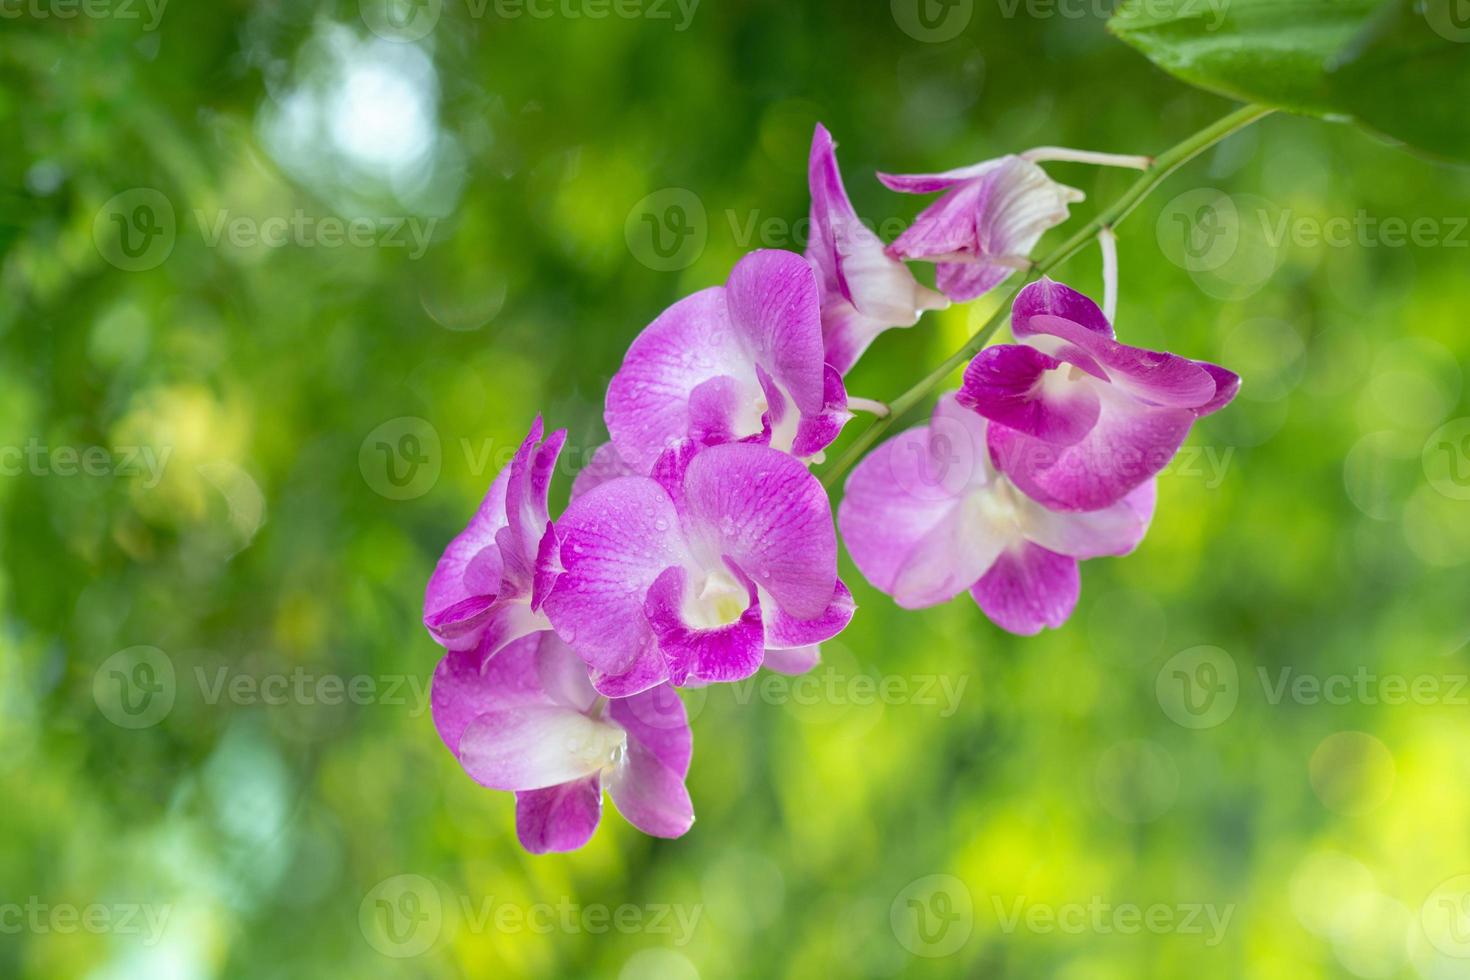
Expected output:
(1400, 67)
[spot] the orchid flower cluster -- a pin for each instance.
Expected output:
(699, 548)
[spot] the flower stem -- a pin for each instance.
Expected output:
(1164, 165)
(1108, 242)
(867, 405)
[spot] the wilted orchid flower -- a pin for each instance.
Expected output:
(1082, 419)
(528, 721)
(864, 290)
(741, 362)
(990, 218)
(480, 595)
(692, 575)
(927, 516)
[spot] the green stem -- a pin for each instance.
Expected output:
(1163, 165)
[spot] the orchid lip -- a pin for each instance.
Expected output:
(719, 600)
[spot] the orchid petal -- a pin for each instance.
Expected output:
(1027, 589)
(650, 795)
(776, 308)
(538, 745)
(559, 818)
(724, 653)
(615, 540)
(770, 515)
(1020, 387)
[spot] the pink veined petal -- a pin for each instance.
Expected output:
(525, 494)
(668, 469)
(776, 308)
(847, 334)
(784, 632)
(1019, 386)
(1028, 589)
(604, 465)
(830, 206)
(797, 660)
(723, 653)
(1114, 530)
(548, 567)
(647, 405)
(460, 626)
(882, 287)
(1227, 385)
(906, 517)
(765, 511)
(865, 291)
(465, 686)
(1021, 204)
(1157, 377)
(980, 226)
(470, 568)
(559, 818)
(537, 745)
(656, 719)
(649, 669)
(932, 183)
(949, 228)
(615, 540)
(816, 432)
(506, 622)
(1130, 443)
(1047, 297)
(721, 410)
(650, 795)
(562, 674)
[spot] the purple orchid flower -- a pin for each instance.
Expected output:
(1082, 419)
(741, 362)
(864, 290)
(480, 595)
(990, 218)
(694, 574)
(528, 721)
(927, 516)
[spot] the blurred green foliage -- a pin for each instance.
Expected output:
(1316, 528)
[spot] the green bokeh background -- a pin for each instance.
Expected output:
(1319, 527)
